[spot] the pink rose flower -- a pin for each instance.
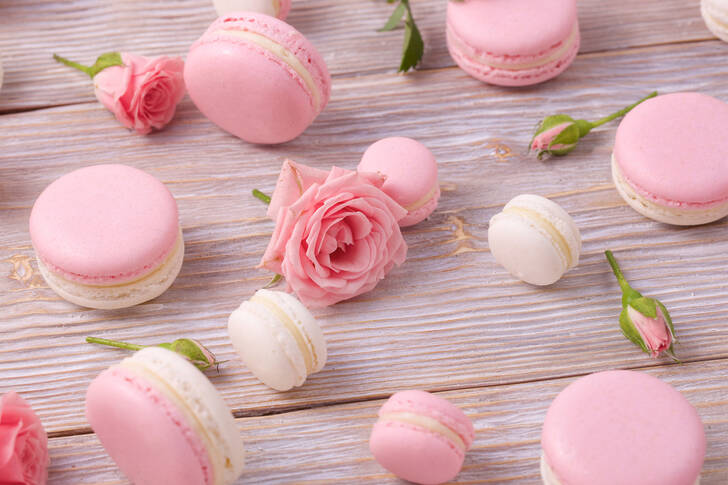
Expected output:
(543, 141)
(336, 234)
(144, 92)
(654, 332)
(23, 443)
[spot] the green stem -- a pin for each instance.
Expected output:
(74, 65)
(617, 272)
(114, 343)
(624, 111)
(261, 196)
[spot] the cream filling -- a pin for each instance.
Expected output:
(540, 61)
(423, 201)
(302, 340)
(192, 419)
(426, 422)
(283, 54)
(544, 224)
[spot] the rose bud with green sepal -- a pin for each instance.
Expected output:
(644, 321)
(558, 135)
(191, 349)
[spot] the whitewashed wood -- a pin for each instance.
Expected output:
(450, 317)
(345, 31)
(330, 445)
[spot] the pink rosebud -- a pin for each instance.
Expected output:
(654, 331)
(546, 140)
(335, 237)
(23, 443)
(141, 92)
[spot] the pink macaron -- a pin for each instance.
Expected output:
(411, 175)
(163, 422)
(257, 77)
(622, 427)
(670, 159)
(513, 42)
(421, 437)
(107, 236)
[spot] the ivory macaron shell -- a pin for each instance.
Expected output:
(715, 15)
(534, 239)
(163, 422)
(279, 340)
(274, 8)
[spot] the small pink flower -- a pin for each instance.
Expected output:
(543, 141)
(23, 443)
(654, 331)
(335, 237)
(142, 92)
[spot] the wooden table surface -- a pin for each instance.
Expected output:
(450, 320)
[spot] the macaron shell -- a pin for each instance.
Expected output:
(419, 215)
(715, 14)
(144, 433)
(274, 8)
(104, 224)
(415, 454)
(619, 417)
(673, 149)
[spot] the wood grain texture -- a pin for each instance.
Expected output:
(345, 31)
(330, 445)
(450, 317)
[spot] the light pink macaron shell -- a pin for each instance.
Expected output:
(248, 91)
(144, 433)
(512, 27)
(673, 149)
(415, 453)
(104, 224)
(623, 427)
(410, 170)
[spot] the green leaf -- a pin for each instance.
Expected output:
(414, 47)
(630, 331)
(102, 62)
(395, 18)
(646, 306)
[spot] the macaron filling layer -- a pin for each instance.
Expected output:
(302, 339)
(514, 62)
(424, 200)
(426, 423)
(542, 223)
(280, 52)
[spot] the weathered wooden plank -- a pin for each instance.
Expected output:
(345, 31)
(330, 445)
(450, 317)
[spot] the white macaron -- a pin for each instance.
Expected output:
(715, 15)
(278, 339)
(534, 239)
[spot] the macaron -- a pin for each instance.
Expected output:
(513, 42)
(274, 8)
(534, 239)
(257, 77)
(279, 340)
(107, 236)
(410, 170)
(162, 421)
(715, 15)
(421, 437)
(670, 159)
(621, 427)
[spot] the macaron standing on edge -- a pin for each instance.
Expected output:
(107, 236)
(163, 422)
(513, 42)
(279, 340)
(622, 427)
(421, 437)
(411, 175)
(715, 15)
(274, 8)
(257, 77)
(534, 239)
(670, 159)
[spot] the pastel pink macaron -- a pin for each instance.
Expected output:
(257, 77)
(621, 427)
(274, 8)
(513, 42)
(107, 236)
(163, 422)
(421, 437)
(411, 175)
(670, 159)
